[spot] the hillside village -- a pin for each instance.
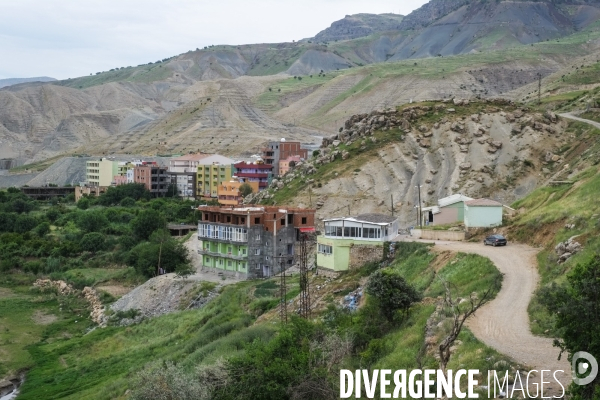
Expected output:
(245, 221)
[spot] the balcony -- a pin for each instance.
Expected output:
(224, 255)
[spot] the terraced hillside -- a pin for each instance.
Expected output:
(230, 99)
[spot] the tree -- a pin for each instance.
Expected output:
(42, 229)
(127, 202)
(292, 164)
(245, 189)
(92, 242)
(91, 221)
(576, 307)
(460, 311)
(147, 222)
(392, 291)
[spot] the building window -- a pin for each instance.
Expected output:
(303, 220)
(229, 263)
(325, 249)
(257, 237)
(257, 252)
(257, 220)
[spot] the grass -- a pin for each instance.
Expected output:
(99, 364)
(23, 321)
(404, 348)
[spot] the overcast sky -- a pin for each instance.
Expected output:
(70, 38)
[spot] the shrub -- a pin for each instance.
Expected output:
(92, 242)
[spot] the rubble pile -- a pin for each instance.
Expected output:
(62, 287)
(97, 313)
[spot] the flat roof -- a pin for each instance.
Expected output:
(371, 218)
(483, 203)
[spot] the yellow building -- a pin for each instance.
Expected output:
(229, 192)
(100, 172)
(212, 172)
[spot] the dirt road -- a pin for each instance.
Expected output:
(504, 323)
(575, 118)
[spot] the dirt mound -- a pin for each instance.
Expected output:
(158, 296)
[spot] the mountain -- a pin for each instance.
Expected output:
(16, 81)
(359, 25)
(230, 99)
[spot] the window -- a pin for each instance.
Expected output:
(257, 237)
(257, 252)
(303, 220)
(258, 266)
(325, 249)
(257, 220)
(229, 263)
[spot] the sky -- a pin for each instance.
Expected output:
(70, 38)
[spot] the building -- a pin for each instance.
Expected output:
(274, 152)
(187, 163)
(119, 180)
(449, 210)
(229, 192)
(100, 172)
(350, 242)
(483, 213)
(211, 172)
(81, 191)
(284, 165)
(257, 171)
(185, 183)
(47, 192)
(251, 242)
(155, 178)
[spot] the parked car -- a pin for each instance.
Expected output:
(495, 240)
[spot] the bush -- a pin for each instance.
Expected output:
(83, 203)
(147, 222)
(127, 202)
(92, 242)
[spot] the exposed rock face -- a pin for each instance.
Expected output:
(565, 250)
(359, 25)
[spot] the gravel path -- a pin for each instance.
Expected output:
(587, 121)
(504, 323)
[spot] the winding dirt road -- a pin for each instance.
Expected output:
(504, 323)
(572, 115)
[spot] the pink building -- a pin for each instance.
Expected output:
(284, 165)
(119, 180)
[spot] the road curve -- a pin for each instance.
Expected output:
(503, 323)
(586, 121)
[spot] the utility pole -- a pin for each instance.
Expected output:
(282, 294)
(420, 216)
(392, 200)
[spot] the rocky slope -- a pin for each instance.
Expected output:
(359, 25)
(493, 149)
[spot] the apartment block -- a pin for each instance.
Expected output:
(257, 171)
(274, 152)
(187, 163)
(251, 242)
(211, 172)
(229, 192)
(156, 178)
(100, 172)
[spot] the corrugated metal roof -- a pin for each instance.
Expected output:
(483, 203)
(455, 198)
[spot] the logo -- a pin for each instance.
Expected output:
(583, 364)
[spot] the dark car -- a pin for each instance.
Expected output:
(495, 240)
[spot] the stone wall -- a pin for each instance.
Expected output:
(438, 235)
(362, 254)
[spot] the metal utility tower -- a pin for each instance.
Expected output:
(282, 294)
(304, 283)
